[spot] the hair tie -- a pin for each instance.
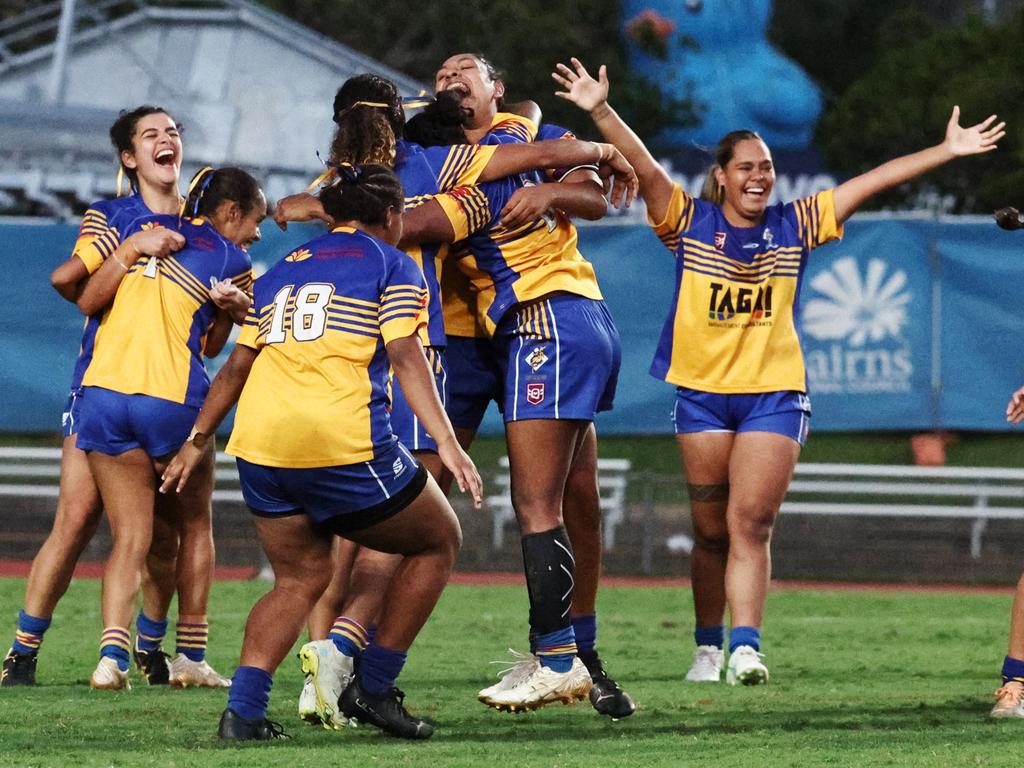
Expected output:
(373, 104)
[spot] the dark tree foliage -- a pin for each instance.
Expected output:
(523, 38)
(902, 102)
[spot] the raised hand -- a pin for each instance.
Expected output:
(300, 207)
(974, 140)
(580, 87)
(1015, 408)
(619, 176)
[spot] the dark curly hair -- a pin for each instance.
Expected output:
(363, 193)
(367, 132)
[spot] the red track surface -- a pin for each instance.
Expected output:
(20, 568)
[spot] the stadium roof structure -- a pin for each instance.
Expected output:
(252, 88)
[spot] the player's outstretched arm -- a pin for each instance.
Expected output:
(591, 96)
(959, 142)
(413, 372)
(224, 393)
(426, 223)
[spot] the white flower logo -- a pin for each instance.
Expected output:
(873, 308)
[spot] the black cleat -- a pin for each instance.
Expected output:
(154, 665)
(19, 669)
(384, 711)
(234, 727)
(605, 694)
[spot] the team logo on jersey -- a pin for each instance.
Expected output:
(719, 240)
(151, 225)
(300, 255)
(768, 238)
(537, 358)
(398, 467)
(854, 325)
(535, 392)
(727, 301)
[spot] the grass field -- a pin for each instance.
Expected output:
(859, 678)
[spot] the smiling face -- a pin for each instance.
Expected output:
(747, 179)
(466, 75)
(241, 229)
(156, 151)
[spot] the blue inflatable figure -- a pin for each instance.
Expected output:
(738, 78)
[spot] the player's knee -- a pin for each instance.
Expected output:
(714, 540)
(753, 524)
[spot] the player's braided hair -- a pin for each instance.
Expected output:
(369, 115)
(123, 129)
(363, 193)
(724, 150)
(209, 188)
(440, 124)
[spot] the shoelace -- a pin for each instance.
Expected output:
(521, 659)
(1016, 692)
(276, 729)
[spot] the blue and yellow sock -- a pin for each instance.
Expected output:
(191, 639)
(349, 636)
(1013, 670)
(744, 636)
(713, 636)
(29, 635)
(149, 633)
(557, 649)
(585, 630)
(379, 668)
(114, 644)
(250, 692)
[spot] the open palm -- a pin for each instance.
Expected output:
(974, 140)
(580, 87)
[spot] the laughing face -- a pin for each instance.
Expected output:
(748, 179)
(467, 76)
(156, 151)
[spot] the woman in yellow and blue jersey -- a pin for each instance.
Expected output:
(730, 345)
(370, 119)
(316, 453)
(144, 385)
(148, 142)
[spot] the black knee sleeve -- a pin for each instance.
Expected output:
(550, 579)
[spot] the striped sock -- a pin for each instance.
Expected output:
(557, 649)
(379, 668)
(149, 633)
(29, 635)
(114, 644)
(349, 636)
(250, 693)
(190, 640)
(744, 636)
(585, 630)
(1013, 670)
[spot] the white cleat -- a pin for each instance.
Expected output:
(198, 674)
(328, 671)
(1009, 700)
(544, 686)
(307, 703)
(746, 667)
(515, 672)
(707, 664)
(109, 677)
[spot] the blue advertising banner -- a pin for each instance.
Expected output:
(906, 324)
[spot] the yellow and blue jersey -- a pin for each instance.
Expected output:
(150, 340)
(520, 264)
(428, 171)
(98, 237)
(732, 327)
(317, 394)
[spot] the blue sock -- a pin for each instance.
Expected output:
(710, 635)
(348, 636)
(149, 633)
(379, 668)
(1013, 669)
(557, 649)
(585, 629)
(250, 693)
(744, 636)
(29, 635)
(371, 633)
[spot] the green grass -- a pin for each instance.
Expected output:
(858, 679)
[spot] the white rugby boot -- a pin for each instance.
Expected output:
(329, 672)
(514, 673)
(544, 686)
(1009, 700)
(746, 667)
(707, 664)
(108, 676)
(196, 674)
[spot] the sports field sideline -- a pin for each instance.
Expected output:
(860, 677)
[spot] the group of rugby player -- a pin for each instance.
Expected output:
(361, 376)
